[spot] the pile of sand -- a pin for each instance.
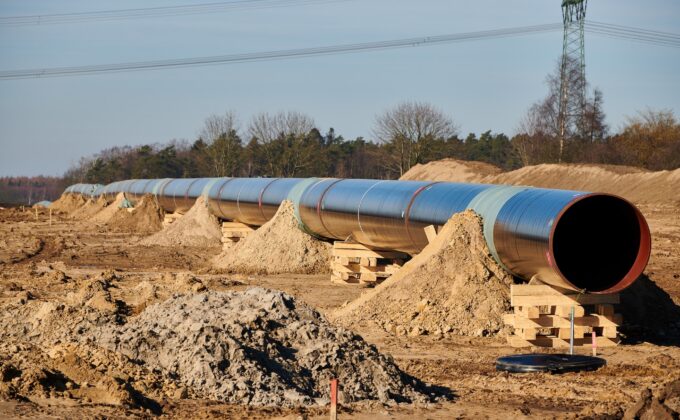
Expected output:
(108, 210)
(196, 228)
(146, 217)
(90, 208)
(258, 347)
(453, 286)
(452, 170)
(634, 184)
(68, 203)
(278, 246)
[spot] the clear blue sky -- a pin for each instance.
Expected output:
(46, 125)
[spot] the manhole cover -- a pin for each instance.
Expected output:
(554, 363)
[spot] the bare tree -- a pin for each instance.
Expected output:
(542, 120)
(220, 132)
(409, 128)
(267, 128)
(283, 139)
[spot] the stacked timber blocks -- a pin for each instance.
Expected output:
(542, 317)
(233, 232)
(354, 263)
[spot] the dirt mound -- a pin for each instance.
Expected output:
(278, 246)
(634, 184)
(89, 209)
(146, 217)
(18, 247)
(68, 203)
(452, 170)
(258, 347)
(196, 228)
(108, 210)
(452, 286)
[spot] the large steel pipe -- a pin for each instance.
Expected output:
(597, 243)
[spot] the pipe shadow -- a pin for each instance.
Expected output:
(649, 314)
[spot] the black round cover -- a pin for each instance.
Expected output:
(554, 363)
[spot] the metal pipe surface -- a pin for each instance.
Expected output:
(597, 243)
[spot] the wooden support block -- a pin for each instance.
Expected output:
(565, 333)
(527, 333)
(554, 321)
(537, 295)
(368, 261)
(565, 311)
(542, 341)
(430, 233)
(563, 300)
(609, 332)
(527, 311)
(342, 260)
(359, 253)
(349, 245)
(604, 309)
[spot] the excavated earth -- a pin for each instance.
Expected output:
(95, 324)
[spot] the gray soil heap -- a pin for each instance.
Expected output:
(453, 286)
(258, 347)
(278, 246)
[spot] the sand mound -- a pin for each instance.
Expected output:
(278, 246)
(452, 170)
(196, 228)
(108, 210)
(452, 286)
(146, 217)
(89, 209)
(68, 203)
(258, 347)
(634, 184)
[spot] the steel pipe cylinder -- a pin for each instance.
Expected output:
(597, 243)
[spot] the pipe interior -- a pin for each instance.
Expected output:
(596, 242)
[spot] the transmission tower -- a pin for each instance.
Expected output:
(572, 100)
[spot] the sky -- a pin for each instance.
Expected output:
(48, 124)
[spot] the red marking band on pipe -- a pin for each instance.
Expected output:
(219, 195)
(407, 212)
(259, 198)
(318, 205)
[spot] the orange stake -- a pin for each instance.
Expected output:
(594, 342)
(334, 399)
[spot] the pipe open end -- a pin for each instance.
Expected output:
(600, 243)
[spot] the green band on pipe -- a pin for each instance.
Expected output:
(295, 195)
(488, 204)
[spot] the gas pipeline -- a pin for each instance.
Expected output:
(590, 242)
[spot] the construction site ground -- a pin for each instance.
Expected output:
(463, 365)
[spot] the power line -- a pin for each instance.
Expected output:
(614, 31)
(280, 54)
(165, 11)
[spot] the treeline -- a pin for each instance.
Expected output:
(30, 190)
(289, 145)
(314, 154)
